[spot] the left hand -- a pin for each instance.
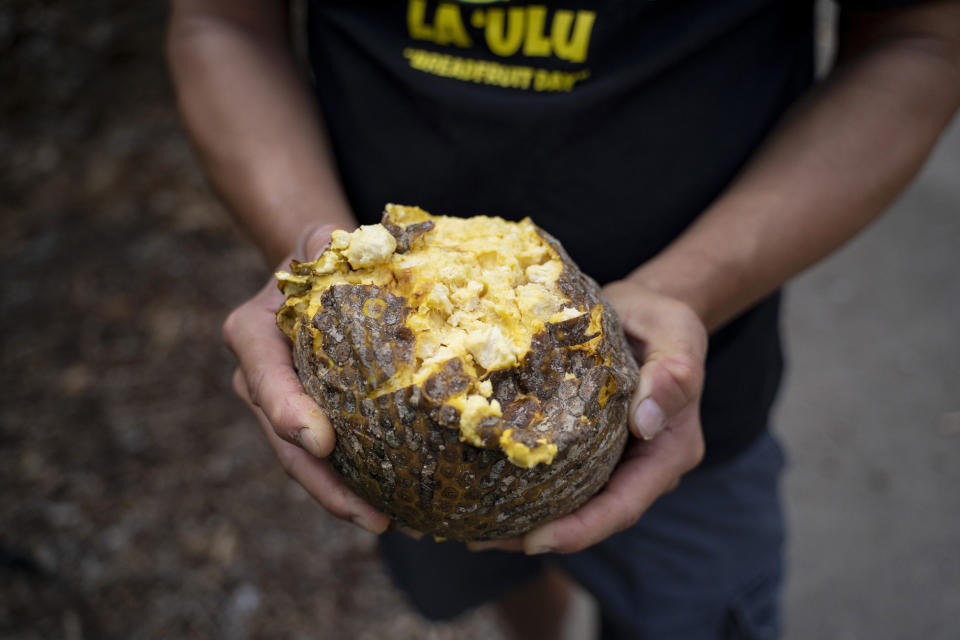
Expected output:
(670, 343)
(295, 426)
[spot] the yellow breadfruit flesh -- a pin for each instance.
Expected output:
(478, 289)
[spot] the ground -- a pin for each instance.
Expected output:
(871, 417)
(138, 499)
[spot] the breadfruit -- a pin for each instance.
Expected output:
(477, 381)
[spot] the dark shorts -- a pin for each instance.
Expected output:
(704, 563)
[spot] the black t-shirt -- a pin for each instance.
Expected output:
(612, 124)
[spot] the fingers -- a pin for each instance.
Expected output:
(671, 342)
(649, 470)
(315, 476)
(312, 241)
(407, 531)
(674, 345)
(637, 482)
(668, 385)
(271, 384)
(513, 544)
(264, 356)
(294, 424)
(295, 418)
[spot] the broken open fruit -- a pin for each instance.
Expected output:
(477, 382)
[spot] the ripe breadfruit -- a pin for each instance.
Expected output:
(476, 379)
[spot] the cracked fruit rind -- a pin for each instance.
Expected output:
(477, 381)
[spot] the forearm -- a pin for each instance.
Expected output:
(253, 121)
(834, 163)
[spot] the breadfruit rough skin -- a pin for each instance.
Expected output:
(461, 452)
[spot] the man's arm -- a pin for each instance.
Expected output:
(834, 163)
(829, 168)
(253, 120)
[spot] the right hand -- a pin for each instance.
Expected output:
(295, 426)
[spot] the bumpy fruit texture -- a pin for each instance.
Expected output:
(440, 347)
(478, 290)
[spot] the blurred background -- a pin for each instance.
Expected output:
(138, 499)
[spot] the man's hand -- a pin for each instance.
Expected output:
(294, 425)
(670, 343)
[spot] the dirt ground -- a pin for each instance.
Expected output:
(138, 499)
(871, 417)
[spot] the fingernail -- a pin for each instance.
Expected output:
(649, 418)
(537, 550)
(361, 522)
(315, 420)
(412, 533)
(310, 441)
(539, 541)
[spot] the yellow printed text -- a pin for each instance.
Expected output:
(532, 30)
(493, 73)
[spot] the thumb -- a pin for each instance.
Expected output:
(668, 385)
(313, 239)
(674, 349)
